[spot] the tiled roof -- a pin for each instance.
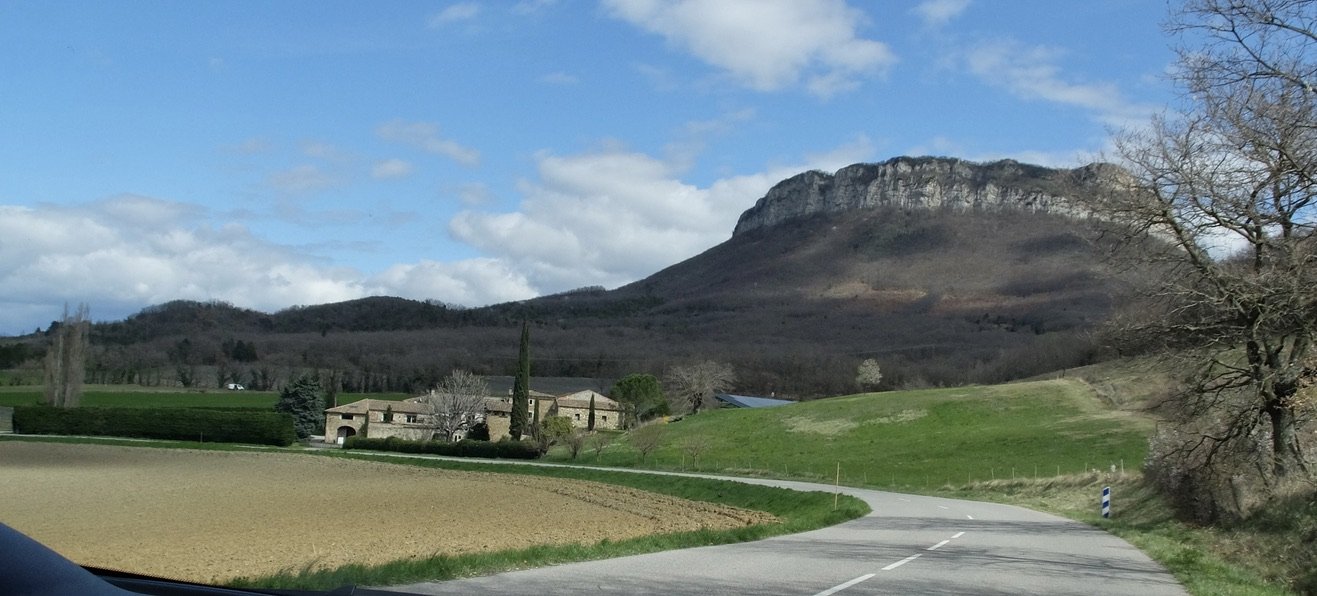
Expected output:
(581, 399)
(361, 406)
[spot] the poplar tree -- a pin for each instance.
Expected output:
(65, 359)
(521, 387)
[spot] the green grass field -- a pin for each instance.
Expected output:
(906, 439)
(1045, 444)
(132, 396)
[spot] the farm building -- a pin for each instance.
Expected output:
(576, 407)
(412, 418)
(384, 418)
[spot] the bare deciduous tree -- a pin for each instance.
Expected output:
(598, 442)
(575, 441)
(65, 360)
(694, 446)
(457, 402)
(693, 386)
(646, 439)
(1225, 190)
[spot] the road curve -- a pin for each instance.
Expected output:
(909, 544)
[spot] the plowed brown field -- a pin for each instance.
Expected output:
(214, 515)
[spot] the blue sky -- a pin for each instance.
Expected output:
(271, 154)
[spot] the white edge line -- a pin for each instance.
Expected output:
(943, 507)
(840, 587)
(902, 562)
(938, 545)
(958, 534)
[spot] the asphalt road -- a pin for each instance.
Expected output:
(908, 545)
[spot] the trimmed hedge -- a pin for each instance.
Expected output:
(177, 424)
(465, 448)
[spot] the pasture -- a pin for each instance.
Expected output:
(906, 440)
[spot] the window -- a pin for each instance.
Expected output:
(578, 416)
(605, 418)
(345, 416)
(411, 418)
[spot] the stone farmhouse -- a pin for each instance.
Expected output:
(576, 406)
(412, 418)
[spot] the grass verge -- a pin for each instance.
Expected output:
(1267, 555)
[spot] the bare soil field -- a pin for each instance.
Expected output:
(210, 516)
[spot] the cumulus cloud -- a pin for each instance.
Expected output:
(472, 281)
(390, 168)
(425, 136)
(767, 45)
(936, 13)
(462, 11)
(613, 216)
(128, 252)
(1031, 72)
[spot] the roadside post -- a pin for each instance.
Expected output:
(1106, 501)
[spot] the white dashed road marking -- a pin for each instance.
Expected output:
(840, 587)
(902, 562)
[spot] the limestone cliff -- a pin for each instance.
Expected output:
(932, 183)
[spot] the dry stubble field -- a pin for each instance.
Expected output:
(214, 515)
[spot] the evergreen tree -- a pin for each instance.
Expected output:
(642, 397)
(589, 421)
(303, 399)
(521, 387)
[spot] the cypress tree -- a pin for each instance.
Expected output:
(589, 422)
(521, 387)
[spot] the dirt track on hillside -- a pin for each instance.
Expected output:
(210, 515)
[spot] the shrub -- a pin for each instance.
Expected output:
(464, 448)
(181, 424)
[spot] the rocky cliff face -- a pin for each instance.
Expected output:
(932, 183)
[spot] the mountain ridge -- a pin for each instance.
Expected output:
(948, 271)
(933, 183)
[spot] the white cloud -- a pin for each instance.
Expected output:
(529, 7)
(468, 282)
(613, 216)
(462, 11)
(936, 13)
(302, 179)
(1032, 73)
(767, 45)
(473, 194)
(425, 136)
(391, 168)
(559, 78)
(122, 254)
